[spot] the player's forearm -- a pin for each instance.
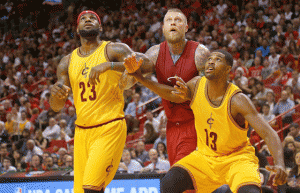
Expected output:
(273, 142)
(162, 90)
(56, 103)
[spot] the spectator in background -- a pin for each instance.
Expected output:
(267, 115)
(49, 164)
(64, 128)
(261, 96)
(162, 151)
(283, 77)
(52, 132)
(32, 149)
(10, 124)
(264, 48)
(267, 71)
(142, 154)
(156, 164)
(287, 59)
(7, 165)
(294, 132)
(4, 136)
(151, 120)
(274, 59)
(130, 113)
(72, 119)
(17, 157)
(289, 151)
(40, 141)
(35, 163)
(129, 165)
(271, 100)
(284, 104)
(161, 138)
(23, 123)
(294, 176)
(68, 164)
(151, 135)
(255, 71)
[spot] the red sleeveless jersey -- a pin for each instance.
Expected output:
(185, 68)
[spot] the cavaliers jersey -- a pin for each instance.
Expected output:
(185, 68)
(217, 132)
(99, 103)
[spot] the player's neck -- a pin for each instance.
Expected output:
(216, 88)
(88, 45)
(178, 47)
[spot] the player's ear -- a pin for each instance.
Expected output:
(100, 28)
(186, 28)
(77, 30)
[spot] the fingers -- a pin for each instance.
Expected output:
(280, 176)
(180, 94)
(59, 90)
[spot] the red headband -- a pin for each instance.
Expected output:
(88, 11)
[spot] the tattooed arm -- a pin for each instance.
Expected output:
(61, 89)
(116, 53)
(201, 56)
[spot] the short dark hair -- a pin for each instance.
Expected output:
(228, 56)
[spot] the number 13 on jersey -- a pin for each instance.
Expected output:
(211, 136)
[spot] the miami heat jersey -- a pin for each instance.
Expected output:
(99, 103)
(217, 132)
(185, 68)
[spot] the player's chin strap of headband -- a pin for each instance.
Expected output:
(88, 11)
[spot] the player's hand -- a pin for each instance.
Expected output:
(131, 64)
(280, 174)
(60, 90)
(181, 87)
(96, 71)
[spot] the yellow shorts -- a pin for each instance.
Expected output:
(209, 173)
(97, 154)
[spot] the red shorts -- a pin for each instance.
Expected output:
(181, 139)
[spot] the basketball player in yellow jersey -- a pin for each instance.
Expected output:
(100, 133)
(224, 154)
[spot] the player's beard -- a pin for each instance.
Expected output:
(89, 33)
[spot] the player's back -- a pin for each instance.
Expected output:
(100, 103)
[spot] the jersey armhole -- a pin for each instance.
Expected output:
(105, 52)
(230, 116)
(196, 91)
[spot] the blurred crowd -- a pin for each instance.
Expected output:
(262, 35)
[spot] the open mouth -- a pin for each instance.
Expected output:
(210, 69)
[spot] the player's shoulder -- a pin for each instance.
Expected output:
(117, 46)
(152, 53)
(202, 47)
(239, 99)
(64, 62)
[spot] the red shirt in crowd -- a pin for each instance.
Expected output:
(255, 71)
(286, 59)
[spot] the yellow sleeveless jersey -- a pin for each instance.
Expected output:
(99, 103)
(217, 133)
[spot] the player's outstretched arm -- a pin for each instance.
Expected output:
(116, 53)
(241, 104)
(60, 90)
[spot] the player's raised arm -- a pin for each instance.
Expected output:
(60, 90)
(241, 104)
(116, 53)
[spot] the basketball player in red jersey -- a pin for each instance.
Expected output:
(175, 56)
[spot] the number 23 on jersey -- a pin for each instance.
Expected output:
(84, 87)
